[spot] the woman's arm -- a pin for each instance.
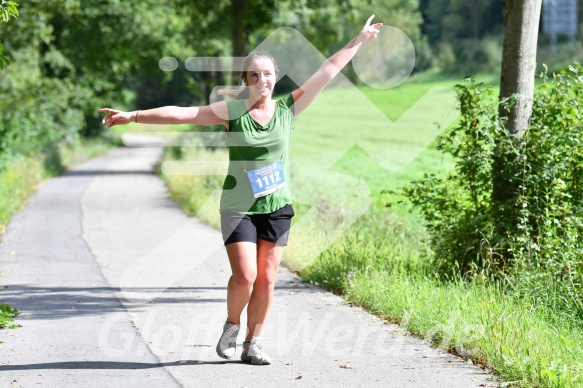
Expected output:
(215, 113)
(308, 92)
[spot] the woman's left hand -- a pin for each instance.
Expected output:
(369, 31)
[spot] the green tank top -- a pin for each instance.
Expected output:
(253, 146)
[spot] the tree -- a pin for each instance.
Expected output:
(69, 56)
(233, 27)
(521, 20)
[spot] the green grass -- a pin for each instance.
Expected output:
(7, 315)
(529, 346)
(396, 101)
(522, 342)
(379, 257)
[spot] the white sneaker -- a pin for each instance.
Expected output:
(228, 342)
(253, 353)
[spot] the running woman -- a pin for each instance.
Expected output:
(256, 205)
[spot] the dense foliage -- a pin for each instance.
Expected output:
(540, 246)
(68, 57)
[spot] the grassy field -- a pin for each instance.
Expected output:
(345, 239)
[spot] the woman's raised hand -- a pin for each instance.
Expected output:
(369, 31)
(116, 117)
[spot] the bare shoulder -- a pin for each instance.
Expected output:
(215, 113)
(220, 109)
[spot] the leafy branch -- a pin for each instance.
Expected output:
(8, 9)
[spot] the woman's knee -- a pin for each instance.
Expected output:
(264, 283)
(242, 257)
(244, 278)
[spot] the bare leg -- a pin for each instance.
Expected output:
(268, 259)
(242, 256)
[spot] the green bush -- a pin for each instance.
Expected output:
(533, 240)
(457, 209)
(37, 111)
(7, 315)
(550, 221)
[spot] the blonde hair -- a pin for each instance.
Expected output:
(242, 92)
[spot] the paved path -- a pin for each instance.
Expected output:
(117, 287)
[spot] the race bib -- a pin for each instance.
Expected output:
(266, 180)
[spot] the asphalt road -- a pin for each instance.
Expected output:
(118, 287)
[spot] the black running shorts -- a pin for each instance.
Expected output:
(273, 227)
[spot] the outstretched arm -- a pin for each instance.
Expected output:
(308, 92)
(215, 113)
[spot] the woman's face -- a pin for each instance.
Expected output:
(261, 77)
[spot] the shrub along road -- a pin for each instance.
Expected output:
(117, 286)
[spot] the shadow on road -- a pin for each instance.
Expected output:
(109, 365)
(65, 302)
(106, 172)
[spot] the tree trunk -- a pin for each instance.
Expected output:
(239, 35)
(521, 21)
(239, 27)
